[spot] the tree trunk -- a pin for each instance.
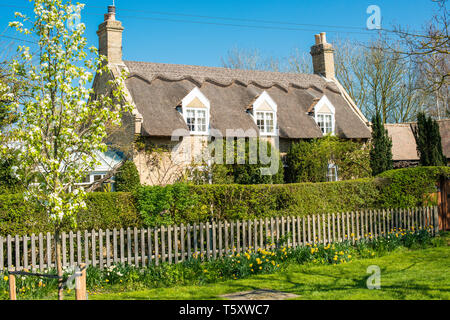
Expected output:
(59, 265)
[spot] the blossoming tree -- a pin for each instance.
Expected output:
(62, 126)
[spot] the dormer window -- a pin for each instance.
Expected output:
(265, 122)
(325, 122)
(196, 120)
(265, 114)
(324, 113)
(196, 110)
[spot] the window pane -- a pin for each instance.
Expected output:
(201, 121)
(328, 124)
(260, 121)
(332, 174)
(191, 120)
(269, 122)
(196, 120)
(320, 122)
(325, 122)
(265, 122)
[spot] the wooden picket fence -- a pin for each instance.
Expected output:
(174, 244)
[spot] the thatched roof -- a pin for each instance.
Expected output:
(157, 90)
(404, 147)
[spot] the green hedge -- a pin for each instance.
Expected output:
(405, 188)
(249, 202)
(154, 206)
(393, 189)
(104, 210)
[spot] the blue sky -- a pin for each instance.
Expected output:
(149, 37)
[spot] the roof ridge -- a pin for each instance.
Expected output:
(293, 74)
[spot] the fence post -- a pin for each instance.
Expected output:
(436, 221)
(12, 287)
(80, 290)
(9, 251)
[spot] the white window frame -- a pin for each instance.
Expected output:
(325, 102)
(265, 98)
(334, 167)
(91, 177)
(196, 93)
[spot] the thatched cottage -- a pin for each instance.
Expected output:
(169, 99)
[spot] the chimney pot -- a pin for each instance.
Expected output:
(111, 15)
(317, 39)
(323, 37)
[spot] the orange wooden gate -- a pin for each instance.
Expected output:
(444, 205)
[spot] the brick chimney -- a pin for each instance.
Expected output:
(323, 57)
(110, 37)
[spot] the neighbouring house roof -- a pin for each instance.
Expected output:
(444, 126)
(157, 90)
(404, 147)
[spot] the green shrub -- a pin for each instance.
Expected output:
(393, 189)
(181, 203)
(104, 210)
(168, 205)
(109, 211)
(307, 161)
(127, 179)
(248, 174)
(410, 187)
(189, 204)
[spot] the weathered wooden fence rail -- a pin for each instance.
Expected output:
(173, 244)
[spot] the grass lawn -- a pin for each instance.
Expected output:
(405, 274)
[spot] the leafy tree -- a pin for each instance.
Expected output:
(381, 148)
(429, 144)
(307, 161)
(243, 171)
(127, 179)
(62, 125)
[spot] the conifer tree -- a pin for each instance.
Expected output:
(381, 149)
(429, 144)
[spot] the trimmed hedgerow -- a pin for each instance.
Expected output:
(181, 203)
(411, 187)
(104, 211)
(188, 204)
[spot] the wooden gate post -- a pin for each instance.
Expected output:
(80, 290)
(12, 287)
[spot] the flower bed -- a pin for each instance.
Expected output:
(234, 266)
